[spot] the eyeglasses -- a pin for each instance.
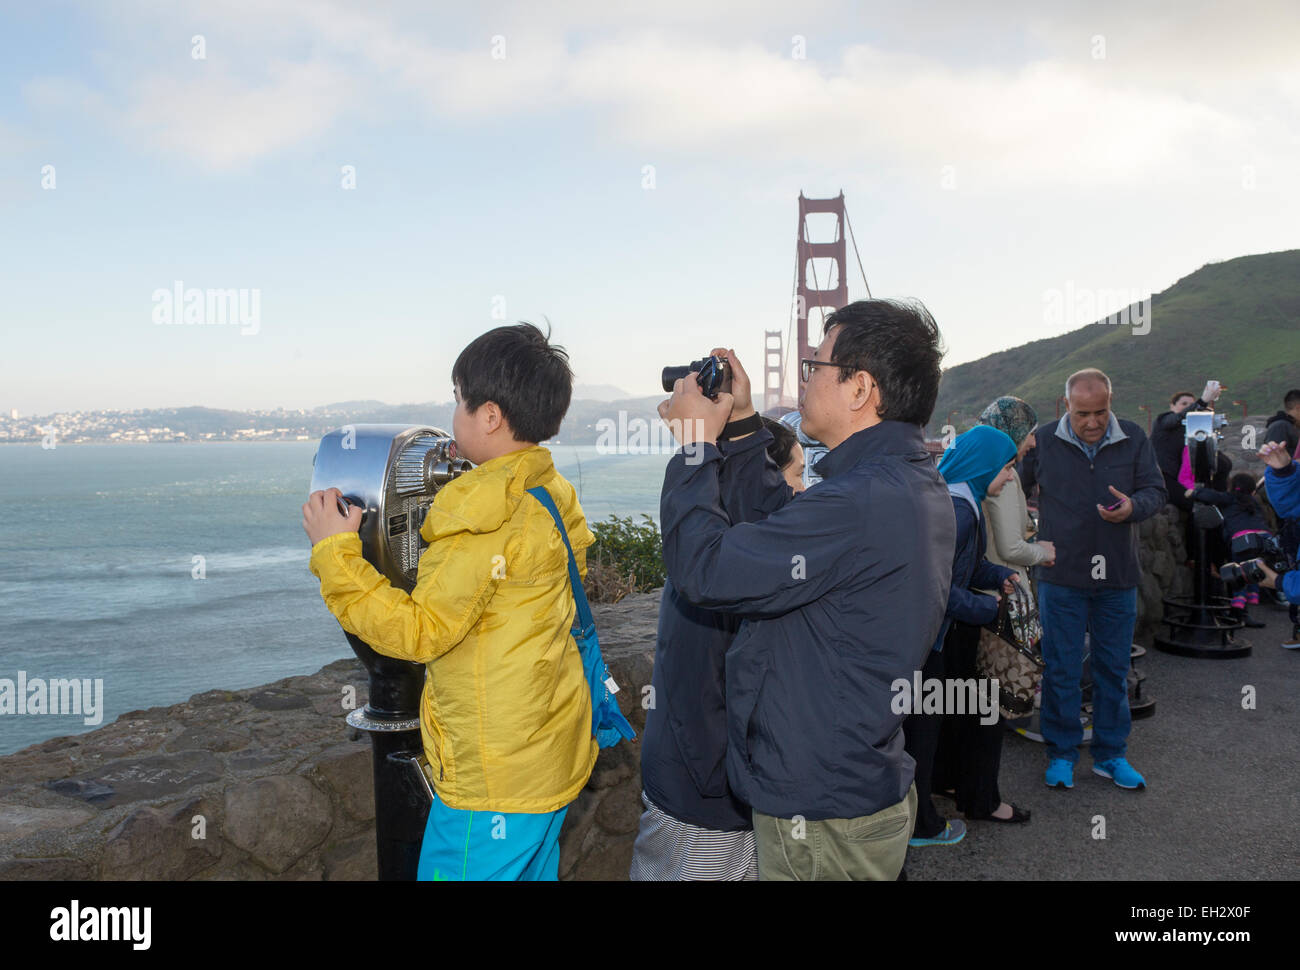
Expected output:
(806, 365)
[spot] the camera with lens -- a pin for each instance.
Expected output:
(1202, 438)
(1251, 552)
(712, 374)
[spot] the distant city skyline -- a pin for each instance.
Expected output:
(278, 204)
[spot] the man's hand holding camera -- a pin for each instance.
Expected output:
(693, 418)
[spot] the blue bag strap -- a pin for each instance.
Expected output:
(585, 619)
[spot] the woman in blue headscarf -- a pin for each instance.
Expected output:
(979, 463)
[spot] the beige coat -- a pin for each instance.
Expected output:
(1007, 517)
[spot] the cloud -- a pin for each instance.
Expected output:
(1050, 115)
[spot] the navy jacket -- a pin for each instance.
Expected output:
(1071, 486)
(971, 569)
(1238, 516)
(684, 745)
(842, 592)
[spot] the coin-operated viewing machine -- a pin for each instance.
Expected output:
(1201, 625)
(391, 472)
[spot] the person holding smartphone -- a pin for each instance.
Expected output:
(1097, 478)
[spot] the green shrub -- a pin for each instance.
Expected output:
(627, 557)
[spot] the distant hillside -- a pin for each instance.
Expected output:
(1237, 322)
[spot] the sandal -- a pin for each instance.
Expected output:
(1018, 815)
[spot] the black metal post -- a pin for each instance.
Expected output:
(392, 719)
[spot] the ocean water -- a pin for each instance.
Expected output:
(97, 555)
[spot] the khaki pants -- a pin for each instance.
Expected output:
(871, 847)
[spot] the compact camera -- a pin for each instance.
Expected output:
(712, 374)
(1202, 439)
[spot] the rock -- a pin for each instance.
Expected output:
(276, 699)
(153, 843)
(19, 821)
(131, 780)
(215, 738)
(277, 820)
(352, 859)
(620, 811)
(46, 869)
(346, 769)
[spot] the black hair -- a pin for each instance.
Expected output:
(783, 441)
(1292, 398)
(1174, 400)
(1244, 485)
(899, 344)
(527, 377)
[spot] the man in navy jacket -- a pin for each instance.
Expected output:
(841, 594)
(1098, 477)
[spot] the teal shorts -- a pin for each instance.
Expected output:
(461, 845)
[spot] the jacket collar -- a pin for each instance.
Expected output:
(885, 438)
(483, 498)
(1114, 433)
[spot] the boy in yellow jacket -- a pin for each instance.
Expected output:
(505, 714)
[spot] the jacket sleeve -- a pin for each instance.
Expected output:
(1211, 496)
(1149, 493)
(1291, 585)
(1167, 422)
(1006, 515)
(1284, 492)
(963, 603)
(750, 485)
(764, 568)
(1028, 469)
(989, 575)
(456, 579)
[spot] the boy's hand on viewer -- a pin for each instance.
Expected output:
(321, 517)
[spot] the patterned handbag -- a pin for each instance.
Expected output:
(1009, 652)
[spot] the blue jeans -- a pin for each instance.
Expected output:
(1109, 615)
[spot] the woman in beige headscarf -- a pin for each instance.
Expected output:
(1007, 513)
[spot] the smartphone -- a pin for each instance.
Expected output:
(1112, 508)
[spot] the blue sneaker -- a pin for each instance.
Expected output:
(1060, 773)
(1119, 771)
(952, 833)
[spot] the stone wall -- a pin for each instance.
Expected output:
(271, 783)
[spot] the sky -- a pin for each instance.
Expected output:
(380, 182)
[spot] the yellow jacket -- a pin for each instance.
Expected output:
(506, 711)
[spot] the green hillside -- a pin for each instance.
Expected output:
(1237, 322)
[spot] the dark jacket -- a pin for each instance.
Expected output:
(842, 592)
(1282, 428)
(971, 571)
(1168, 438)
(1240, 512)
(1072, 486)
(684, 745)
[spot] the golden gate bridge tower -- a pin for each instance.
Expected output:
(779, 371)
